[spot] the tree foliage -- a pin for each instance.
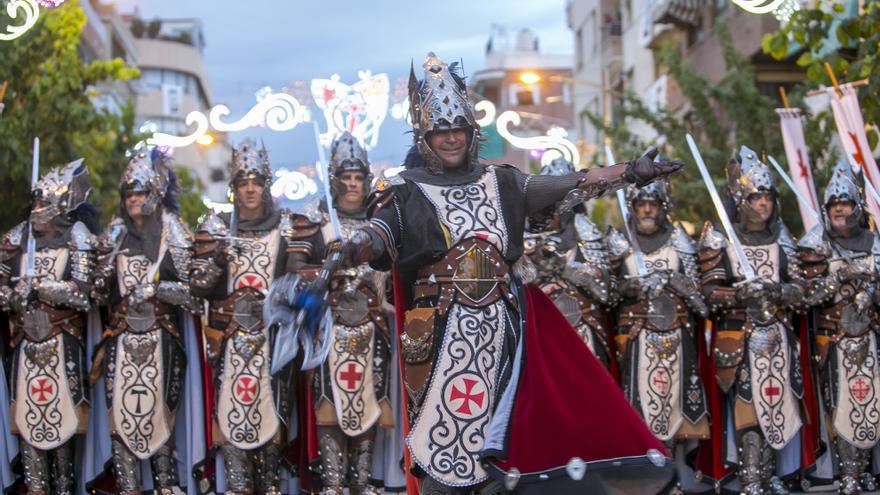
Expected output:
(721, 115)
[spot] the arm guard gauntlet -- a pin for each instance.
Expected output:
(177, 294)
(62, 293)
(205, 273)
(688, 290)
(5, 298)
(590, 278)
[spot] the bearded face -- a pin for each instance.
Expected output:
(647, 215)
(839, 213)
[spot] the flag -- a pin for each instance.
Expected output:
(851, 129)
(798, 161)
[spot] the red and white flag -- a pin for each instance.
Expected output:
(798, 161)
(851, 129)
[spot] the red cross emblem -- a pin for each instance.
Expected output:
(350, 377)
(246, 389)
(772, 391)
(254, 281)
(858, 156)
(660, 381)
(42, 390)
(860, 389)
(472, 391)
(805, 173)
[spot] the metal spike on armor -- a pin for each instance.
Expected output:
(748, 175)
(347, 154)
(250, 162)
(61, 190)
(439, 102)
(658, 190)
(142, 175)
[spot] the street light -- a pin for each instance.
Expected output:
(205, 139)
(529, 78)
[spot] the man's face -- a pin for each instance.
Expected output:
(249, 193)
(41, 226)
(762, 204)
(647, 216)
(450, 145)
(354, 189)
(134, 204)
(839, 212)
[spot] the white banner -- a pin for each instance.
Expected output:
(851, 129)
(798, 161)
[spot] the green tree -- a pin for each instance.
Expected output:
(848, 43)
(721, 116)
(191, 205)
(49, 96)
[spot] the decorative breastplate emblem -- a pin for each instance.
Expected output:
(475, 274)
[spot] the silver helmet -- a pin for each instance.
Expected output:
(440, 102)
(250, 162)
(559, 166)
(141, 174)
(60, 191)
(747, 175)
(844, 185)
(347, 155)
(658, 190)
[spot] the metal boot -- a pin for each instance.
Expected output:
(36, 469)
(333, 462)
(125, 467)
(239, 470)
(269, 469)
(360, 462)
(850, 467)
(164, 469)
(62, 469)
(750, 464)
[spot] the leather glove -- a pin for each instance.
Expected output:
(23, 294)
(644, 170)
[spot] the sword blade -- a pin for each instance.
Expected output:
(30, 259)
(808, 206)
(324, 168)
(641, 267)
(743, 261)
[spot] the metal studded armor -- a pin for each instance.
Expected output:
(351, 389)
(842, 288)
(657, 332)
(756, 352)
(47, 304)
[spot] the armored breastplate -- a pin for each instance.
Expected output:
(763, 258)
(254, 264)
(844, 316)
(131, 271)
(39, 321)
(664, 259)
(50, 263)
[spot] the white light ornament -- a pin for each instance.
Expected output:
(30, 10)
(359, 108)
(781, 9)
(292, 185)
(554, 143)
(277, 111)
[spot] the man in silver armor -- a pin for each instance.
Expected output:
(238, 257)
(142, 279)
(569, 254)
(657, 333)
(453, 229)
(839, 261)
(45, 294)
(755, 349)
(351, 388)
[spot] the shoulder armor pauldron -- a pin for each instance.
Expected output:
(616, 242)
(311, 210)
(112, 234)
(382, 194)
(711, 239)
(788, 243)
(179, 234)
(586, 230)
(682, 242)
(81, 238)
(11, 242)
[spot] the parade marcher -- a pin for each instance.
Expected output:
(238, 256)
(452, 228)
(657, 331)
(45, 285)
(839, 261)
(148, 351)
(568, 252)
(351, 388)
(755, 349)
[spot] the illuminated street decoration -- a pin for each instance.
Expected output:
(554, 143)
(781, 9)
(292, 185)
(30, 11)
(277, 111)
(359, 108)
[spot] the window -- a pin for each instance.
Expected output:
(579, 48)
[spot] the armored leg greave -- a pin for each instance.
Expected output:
(360, 463)
(62, 469)
(36, 469)
(750, 468)
(333, 459)
(164, 469)
(853, 462)
(267, 460)
(239, 470)
(125, 467)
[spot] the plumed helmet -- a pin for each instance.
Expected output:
(59, 192)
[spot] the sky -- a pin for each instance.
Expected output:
(255, 43)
